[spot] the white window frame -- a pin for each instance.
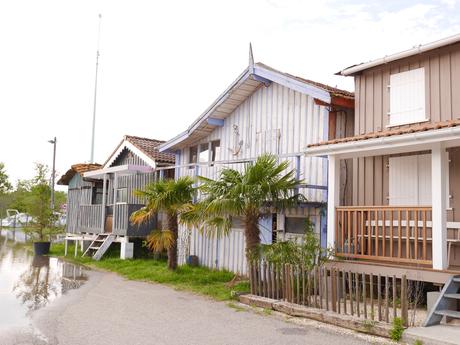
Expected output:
(406, 88)
(120, 189)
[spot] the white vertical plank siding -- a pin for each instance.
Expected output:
(268, 112)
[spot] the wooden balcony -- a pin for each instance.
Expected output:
(116, 220)
(395, 234)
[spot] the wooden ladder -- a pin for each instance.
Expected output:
(441, 308)
(99, 246)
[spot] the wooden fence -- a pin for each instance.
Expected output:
(372, 297)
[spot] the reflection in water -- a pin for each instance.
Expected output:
(29, 282)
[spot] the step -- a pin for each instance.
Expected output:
(96, 248)
(99, 241)
(456, 279)
(452, 295)
(448, 313)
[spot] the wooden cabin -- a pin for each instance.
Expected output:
(101, 198)
(262, 111)
(404, 213)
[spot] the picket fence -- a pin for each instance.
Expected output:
(363, 295)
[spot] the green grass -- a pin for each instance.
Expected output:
(200, 280)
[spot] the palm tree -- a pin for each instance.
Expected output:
(171, 197)
(263, 186)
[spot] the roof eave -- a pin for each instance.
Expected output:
(350, 71)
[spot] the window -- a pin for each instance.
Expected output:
(204, 153)
(96, 193)
(295, 225)
(192, 156)
(407, 97)
(122, 195)
(410, 180)
(215, 150)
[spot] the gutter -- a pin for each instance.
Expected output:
(408, 139)
(388, 58)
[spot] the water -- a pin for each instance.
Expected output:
(29, 282)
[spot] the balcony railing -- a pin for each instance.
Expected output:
(384, 233)
(91, 218)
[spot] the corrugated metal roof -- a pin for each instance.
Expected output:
(242, 88)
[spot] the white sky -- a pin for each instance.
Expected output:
(163, 63)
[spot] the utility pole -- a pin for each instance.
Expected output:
(95, 91)
(53, 173)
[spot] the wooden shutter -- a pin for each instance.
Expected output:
(407, 97)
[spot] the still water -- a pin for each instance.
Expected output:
(29, 282)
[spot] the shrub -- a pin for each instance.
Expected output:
(397, 330)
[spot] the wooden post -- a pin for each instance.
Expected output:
(326, 287)
(404, 309)
(379, 297)
(371, 292)
(387, 298)
(358, 311)
(65, 245)
(297, 271)
(350, 288)
(338, 289)
(344, 291)
(315, 286)
(104, 202)
(439, 165)
(333, 290)
(303, 286)
(333, 196)
(364, 295)
(320, 287)
(394, 296)
(272, 276)
(291, 283)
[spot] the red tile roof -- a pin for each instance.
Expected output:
(150, 148)
(79, 168)
(391, 132)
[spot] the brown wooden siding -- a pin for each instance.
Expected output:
(442, 88)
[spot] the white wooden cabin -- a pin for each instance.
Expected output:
(263, 110)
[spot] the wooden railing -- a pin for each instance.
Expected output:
(91, 218)
(386, 233)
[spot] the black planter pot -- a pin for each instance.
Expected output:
(42, 248)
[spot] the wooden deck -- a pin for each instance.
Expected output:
(411, 271)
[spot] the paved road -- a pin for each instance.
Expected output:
(111, 310)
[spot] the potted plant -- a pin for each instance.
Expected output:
(44, 217)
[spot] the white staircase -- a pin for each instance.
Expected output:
(447, 303)
(99, 246)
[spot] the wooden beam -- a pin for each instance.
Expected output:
(215, 122)
(348, 103)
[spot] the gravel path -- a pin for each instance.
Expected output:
(111, 310)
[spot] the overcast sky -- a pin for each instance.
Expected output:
(163, 63)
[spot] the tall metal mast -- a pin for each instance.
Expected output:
(95, 91)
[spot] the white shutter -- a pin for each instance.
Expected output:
(407, 97)
(410, 180)
(403, 180)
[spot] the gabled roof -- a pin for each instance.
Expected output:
(352, 70)
(77, 169)
(145, 148)
(243, 87)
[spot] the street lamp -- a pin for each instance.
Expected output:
(53, 141)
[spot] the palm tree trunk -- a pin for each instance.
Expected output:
(251, 232)
(173, 226)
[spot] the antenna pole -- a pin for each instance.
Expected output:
(95, 91)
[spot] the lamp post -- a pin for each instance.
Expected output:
(53, 141)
